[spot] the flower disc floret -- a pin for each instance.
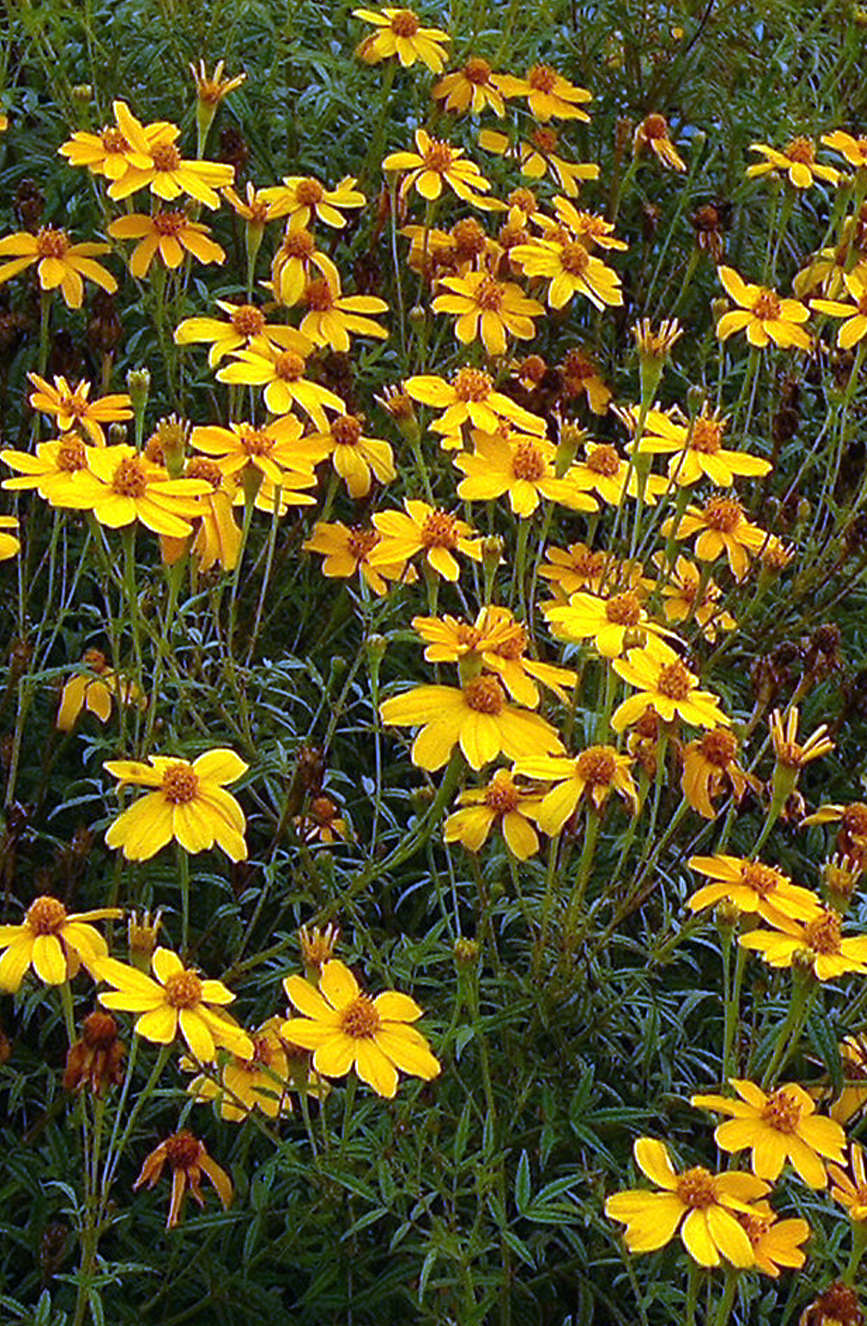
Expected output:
(359, 1018)
(183, 989)
(485, 695)
(46, 916)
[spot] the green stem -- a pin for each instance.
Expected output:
(732, 1006)
(585, 867)
(859, 1244)
(184, 881)
(724, 1307)
(802, 994)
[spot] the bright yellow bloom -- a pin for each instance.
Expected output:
(278, 450)
(400, 33)
(331, 315)
(346, 1028)
(435, 163)
(613, 623)
(297, 262)
(850, 1189)
(168, 234)
(574, 568)
(539, 155)
(663, 681)
(107, 153)
(854, 150)
(188, 1160)
(60, 262)
(697, 448)
(777, 1127)
(58, 471)
(471, 398)
(473, 88)
(353, 455)
(158, 165)
(721, 527)
(245, 324)
(570, 270)
(788, 751)
(762, 314)
(426, 529)
(776, 1243)
(190, 804)
(281, 372)
(218, 538)
(853, 1095)
(707, 764)
(590, 229)
(594, 774)
(502, 803)
(133, 488)
(301, 197)
(94, 690)
(819, 943)
(476, 716)
(178, 1001)
(53, 942)
(752, 887)
(653, 133)
(488, 308)
(347, 552)
(549, 95)
(10, 544)
(518, 465)
(681, 598)
(797, 161)
(605, 472)
(705, 1206)
(854, 329)
(72, 407)
(260, 1083)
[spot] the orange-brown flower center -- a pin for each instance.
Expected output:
(695, 1188)
(359, 1019)
(477, 71)
(766, 305)
(755, 1226)
(95, 659)
(439, 156)
(183, 989)
(113, 140)
(854, 819)
(309, 192)
(655, 126)
(514, 645)
(297, 244)
(71, 455)
(346, 430)
(247, 320)
(544, 139)
(485, 695)
(718, 747)
(361, 541)
(575, 258)
(319, 296)
(202, 468)
(404, 23)
(182, 1149)
(256, 441)
(51, 243)
(489, 295)
(439, 531)
(46, 916)
(179, 784)
(782, 1112)
(763, 880)
(528, 463)
(471, 384)
(469, 238)
(707, 435)
(130, 478)
(801, 149)
(542, 78)
(597, 765)
(289, 366)
(604, 460)
(623, 609)
(823, 934)
(501, 795)
(166, 157)
(674, 681)
(170, 223)
(723, 514)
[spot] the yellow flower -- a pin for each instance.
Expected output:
(400, 33)
(281, 372)
(321, 823)
(581, 376)
(259, 1083)
(570, 270)
(698, 450)
(539, 155)
(501, 802)
(850, 1189)
(353, 455)
(245, 324)
(752, 887)
(157, 164)
(218, 538)
(106, 153)
(473, 88)
(190, 804)
(188, 1160)
(10, 544)
(777, 1127)
(852, 820)
(296, 262)
(776, 1243)
(73, 408)
(652, 133)
(594, 774)
(549, 95)
(94, 691)
(423, 528)
(663, 681)
(488, 308)
(707, 764)
(53, 942)
(797, 160)
(178, 1001)
(60, 262)
(854, 329)
(614, 623)
(590, 229)
(721, 526)
(853, 1095)
(133, 488)
(762, 314)
(346, 1028)
(347, 552)
(475, 716)
(818, 943)
(331, 315)
(302, 196)
(854, 150)
(705, 1206)
(168, 234)
(604, 472)
(434, 163)
(574, 568)
(522, 467)
(278, 450)
(58, 471)
(681, 598)
(787, 749)
(471, 398)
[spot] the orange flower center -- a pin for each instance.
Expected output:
(288, 366)
(514, 645)
(781, 1112)
(707, 435)
(51, 243)
(404, 23)
(180, 784)
(485, 695)
(674, 681)
(723, 514)
(297, 244)
(468, 636)
(544, 139)
(502, 796)
(183, 989)
(361, 541)
(113, 140)
(469, 238)
(718, 747)
(623, 610)
(439, 156)
(755, 1226)
(762, 879)
(596, 766)
(46, 916)
(801, 149)
(166, 157)
(247, 320)
(308, 193)
(256, 441)
(766, 305)
(577, 365)
(575, 258)
(604, 460)
(528, 463)
(95, 659)
(130, 479)
(263, 1052)
(319, 296)
(471, 384)
(359, 1019)
(201, 468)
(533, 368)
(489, 295)
(439, 531)
(655, 126)
(346, 430)
(71, 455)
(695, 1188)
(477, 71)
(823, 934)
(182, 1149)
(170, 223)
(854, 819)
(542, 78)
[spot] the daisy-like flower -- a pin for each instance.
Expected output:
(260, 1083)
(854, 328)
(167, 234)
(818, 943)
(762, 314)
(777, 1127)
(850, 1188)
(278, 450)
(488, 308)
(708, 765)
(570, 270)
(593, 231)
(549, 95)
(604, 471)
(72, 407)
(245, 324)
(652, 135)
(581, 377)
(539, 156)
(347, 552)
(178, 1001)
(218, 537)
(503, 803)
(473, 88)
(752, 887)
(612, 623)
(355, 456)
(106, 153)
(696, 450)
(788, 751)
(10, 544)
(399, 32)
(321, 823)
(475, 716)
(594, 775)
(95, 690)
(346, 1028)
(189, 803)
(681, 601)
(60, 262)
(297, 262)
(252, 208)
(435, 163)
(156, 163)
(134, 488)
(663, 681)
(854, 150)
(331, 315)
(776, 1243)
(721, 527)
(281, 373)
(54, 942)
(704, 1206)
(797, 161)
(573, 568)
(421, 528)
(58, 471)
(518, 465)
(187, 1160)
(302, 197)
(471, 398)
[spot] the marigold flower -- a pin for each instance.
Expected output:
(179, 1000)
(682, 602)
(592, 230)
(218, 537)
(752, 887)
(190, 804)
(353, 455)
(435, 163)
(259, 1083)
(788, 751)
(302, 197)
(134, 488)
(612, 623)
(421, 528)
(475, 716)
(852, 836)
(539, 155)
(168, 234)
(347, 551)
(574, 568)
(696, 448)
(708, 764)
(95, 1059)
(488, 308)
(188, 1161)
(331, 315)
(593, 774)
(156, 163)
(106, 153)
(663, 681)
(502, 802)
(762, 314)
(281, 372)
(297, 262)
(53, 942)
(246, 323)
(549, 95)
(721, 527)
(401, 34)
(797, 161)
(10, 544)
(71, 407)
(571, 270)
(277, 449)
(705, 1206)
(854, 150)
(581, 377)
(321, 823)
(524, 467)
(346, 1028)
(94, 690)
(818, 944)
(474, 88)
(471, 398)
(652, 133)
(60, 262)
(776, 1243)
(854, 329)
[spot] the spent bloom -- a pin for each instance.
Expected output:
(95, 689)
(187, 1160)
(708, 765)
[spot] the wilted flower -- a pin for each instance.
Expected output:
(188, 1161)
